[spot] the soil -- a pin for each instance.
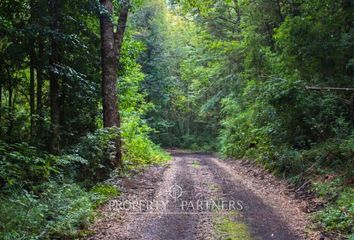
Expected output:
(175, 202)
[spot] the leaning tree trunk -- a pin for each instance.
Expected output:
(111, 44)
(54, 78)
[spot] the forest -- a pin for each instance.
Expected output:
(95, 90)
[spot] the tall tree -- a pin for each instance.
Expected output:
(1, 83)
(1, 80)
(32, 66)
(54, 77)
(39, 69)
(111, 43)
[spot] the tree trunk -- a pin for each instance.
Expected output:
(32, 67)
(119, 36)
(0, 98)
(32, 100)
(281, 17)
(10, 108)
(109, 67)
(109, 75)
(54, 78)
(121, 26)
(40, 64)
(63, 96)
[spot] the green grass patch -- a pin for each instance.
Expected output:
(104, 192)
(195, 164)
(338, 216)
(229, 228)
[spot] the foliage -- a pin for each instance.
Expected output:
(87, 161)
(221, 75)
(238, 71)
(138, 149)
(46, 196)
(38, 199)
(27, 26)
(23, 165)
(339, 216)
(60, 210)
(104, 192)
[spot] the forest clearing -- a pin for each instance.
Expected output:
(177, 119)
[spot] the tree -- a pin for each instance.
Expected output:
(111, 43)
(32, 71)
(54, 77)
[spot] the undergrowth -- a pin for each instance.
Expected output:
(319, 154)
(43, 196)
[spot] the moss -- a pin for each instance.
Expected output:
(229, 228)
(196, 164)
(214, 187)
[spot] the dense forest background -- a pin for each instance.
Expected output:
(266, 80)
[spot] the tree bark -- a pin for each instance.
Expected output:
(0, 98)
(281, 17)
(121, 26)
(111, 43)
(32, 92)
(32, 68)
(39, 66)
(10, 107)
(54, 79)
(109, 67)
(119, 36)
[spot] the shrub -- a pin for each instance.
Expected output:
(57, 210)
(87, 161)
(339, 217)
(104, 192)
(22, 164)
(139, 150)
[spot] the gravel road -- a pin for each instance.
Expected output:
(197, 196)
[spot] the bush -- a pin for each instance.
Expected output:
(88, 162)
(104, 192)
(339, 217)
(297, 134)
(57, 210)
(139, 151)
(24, 165)
(36, 200)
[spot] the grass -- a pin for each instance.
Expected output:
(338, 214)
(196, 164)
(229, 228)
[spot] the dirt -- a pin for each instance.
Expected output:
(197, 196)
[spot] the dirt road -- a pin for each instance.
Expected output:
(198, 196)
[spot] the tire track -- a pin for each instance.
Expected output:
(200, 177)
